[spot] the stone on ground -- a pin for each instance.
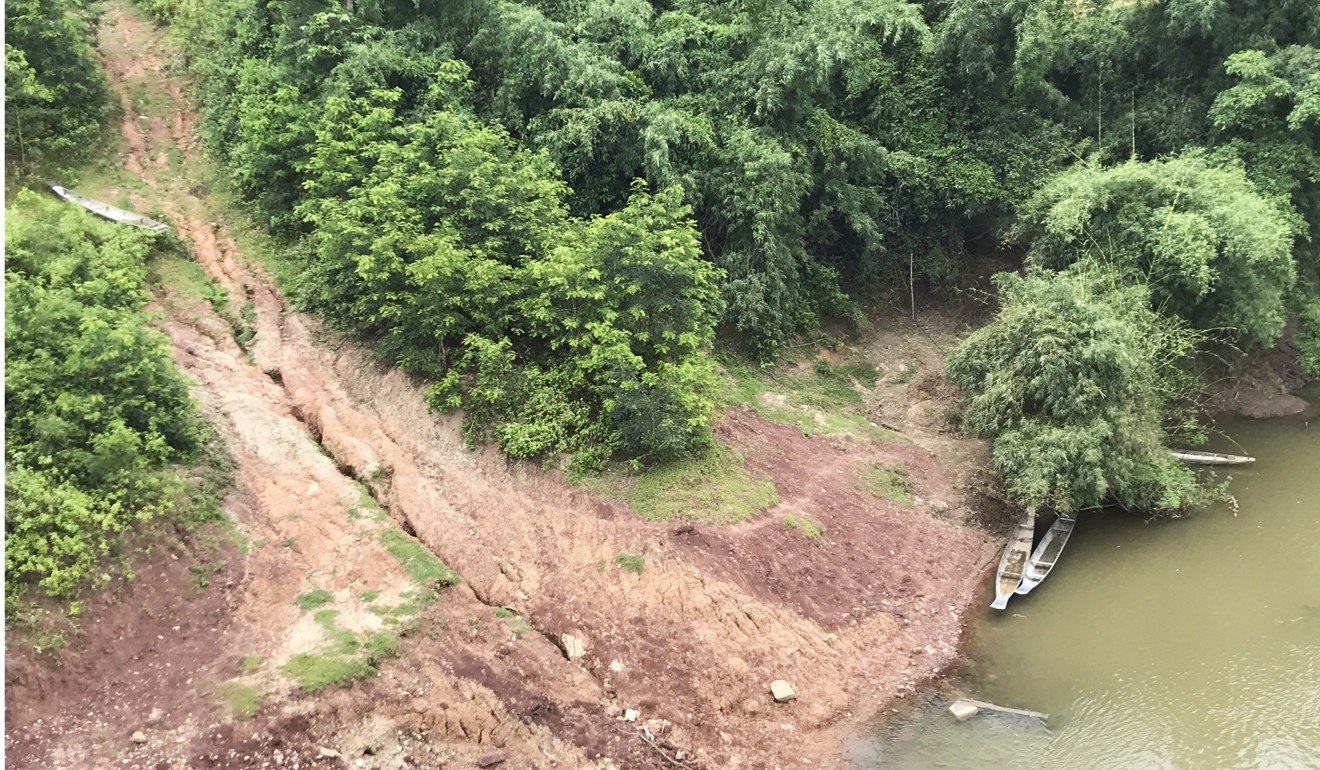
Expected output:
(574, 647)
(783, 691)
(962, 710)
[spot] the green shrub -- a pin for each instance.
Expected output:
(1212, 249)
(56, 97)
(1077, 385)
(97, 414)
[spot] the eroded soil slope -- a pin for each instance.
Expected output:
(691, 642)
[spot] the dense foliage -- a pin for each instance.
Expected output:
(545, 206)
(55, 95)
(436, 234)
(1077, 383)
(96, 414)
(1212, 249)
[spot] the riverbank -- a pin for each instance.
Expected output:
(333, 637)
(1227, 673)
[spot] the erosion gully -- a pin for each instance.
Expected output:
(692, 643)
(1190, 642)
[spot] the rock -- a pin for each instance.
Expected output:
(419, 705)
(139, 737)
(630, 715)
(157, 716)
(325, 753)
(963, 710)
(574, 647)
(492, 759)
(783, 691)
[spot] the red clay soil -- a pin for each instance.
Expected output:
(852, 620)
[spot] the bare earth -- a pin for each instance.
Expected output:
(692, 643)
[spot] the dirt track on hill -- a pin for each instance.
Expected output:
(692, 642)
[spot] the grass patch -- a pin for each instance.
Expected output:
(714, 487)
(313, 599)
(888, 481)
(516, 622)
(630, 562)
(243, 699)
(809, 527)
(370, 595)
(418, 562)
(250, 662)
(314, 672)
(367, 507)
(908, 374)
(381, 645)
(821, 400)
(186, 278)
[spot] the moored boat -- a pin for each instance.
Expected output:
(1046, 554)
(1211, 458)
(1014, 560)
(112, 213)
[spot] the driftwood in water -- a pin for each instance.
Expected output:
(982, 705)
(1211, 458)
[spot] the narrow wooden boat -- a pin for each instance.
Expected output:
(112, 213)
(1014, 561)
(1046, 554)
(1211, 458)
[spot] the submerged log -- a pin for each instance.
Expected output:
(982, 705)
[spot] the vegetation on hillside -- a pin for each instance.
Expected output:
(548, 209)
(97, 418)
(55, 95)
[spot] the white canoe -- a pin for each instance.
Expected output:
(1211, 458)
(112, 213)
(1046, 554)
(1014, 561)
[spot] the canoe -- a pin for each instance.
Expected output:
(1014, 561)
(1046, 554)
(112, 213)
(1211, 458)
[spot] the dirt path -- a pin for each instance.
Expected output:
(692, 642)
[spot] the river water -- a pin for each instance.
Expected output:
(1174, 643)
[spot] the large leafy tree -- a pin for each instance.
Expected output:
(55, 95)
(1077, 384)
(1212, 249)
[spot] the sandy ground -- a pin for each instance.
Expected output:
(691, 643)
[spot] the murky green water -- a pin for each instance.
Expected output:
(1190, 643)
